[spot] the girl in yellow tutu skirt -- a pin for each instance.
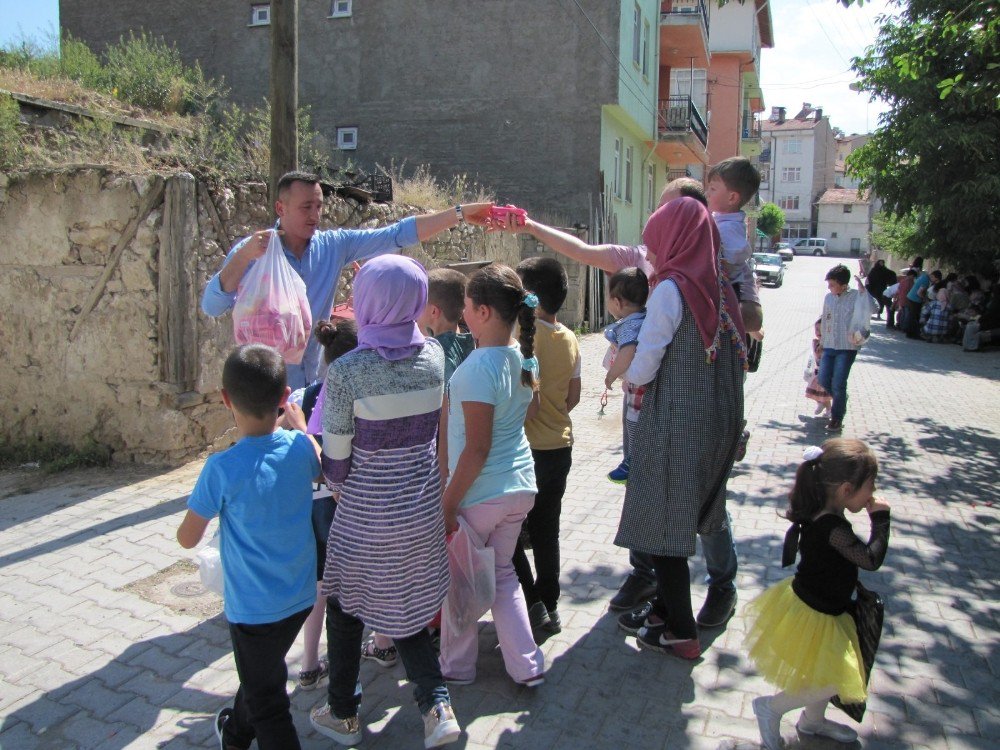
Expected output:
(803, 640)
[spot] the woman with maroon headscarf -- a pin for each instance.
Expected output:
(691, 358)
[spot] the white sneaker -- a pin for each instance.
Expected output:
(826, 728)
(440, 726)
(769, 724)
(345, 731)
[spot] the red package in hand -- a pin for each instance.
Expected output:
(498, 215)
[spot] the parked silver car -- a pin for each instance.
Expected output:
(784, 249)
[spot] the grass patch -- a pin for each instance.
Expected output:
(53, 457)
(144, 78)
(418, 187)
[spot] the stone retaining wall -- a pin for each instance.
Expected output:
(100, 327)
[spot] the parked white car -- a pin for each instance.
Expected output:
(768, 268)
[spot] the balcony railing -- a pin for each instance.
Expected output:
(676, 174)
(679, 114)
(674, 9)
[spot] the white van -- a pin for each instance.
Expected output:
(810, 246)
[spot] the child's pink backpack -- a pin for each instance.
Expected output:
(272, 307)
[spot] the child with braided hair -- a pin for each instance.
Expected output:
(486, 452)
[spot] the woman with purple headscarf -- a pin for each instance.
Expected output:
(386, 564)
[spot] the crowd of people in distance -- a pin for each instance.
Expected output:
(933, 306)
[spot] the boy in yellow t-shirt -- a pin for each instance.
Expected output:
(550, 434)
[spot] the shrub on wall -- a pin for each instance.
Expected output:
(10, 138)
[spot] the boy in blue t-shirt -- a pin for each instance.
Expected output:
(261, 489)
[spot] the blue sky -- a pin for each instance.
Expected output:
(814, 43)
(27, 18)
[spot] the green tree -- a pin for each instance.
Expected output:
(770, 219)
(896, 235)
(934, 158)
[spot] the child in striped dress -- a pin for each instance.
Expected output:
(386, 564)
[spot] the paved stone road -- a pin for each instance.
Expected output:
(87, 662)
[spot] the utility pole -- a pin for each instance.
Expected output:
(284, 90)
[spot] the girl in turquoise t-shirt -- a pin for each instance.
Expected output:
(492, 476)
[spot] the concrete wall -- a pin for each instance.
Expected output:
(139, 372)
(630, 215)
(637, 92)
(725, 102)
(733, 27)
(507, 91)
(839, 228)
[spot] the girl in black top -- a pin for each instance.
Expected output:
(803, 640)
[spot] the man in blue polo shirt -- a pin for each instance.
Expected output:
(319, 256)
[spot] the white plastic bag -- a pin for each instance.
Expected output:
(861, 319)
(473, 579)
(811, 364)
(210, 566)
(272, 307)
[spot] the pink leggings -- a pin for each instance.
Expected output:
(498, 522)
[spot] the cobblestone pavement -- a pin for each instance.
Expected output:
(91, 657)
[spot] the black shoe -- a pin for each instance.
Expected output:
(220, 720)
(554, 624)
(635, 619)
(538, 616)
(719, 606)
(633, 592)
(834, 425)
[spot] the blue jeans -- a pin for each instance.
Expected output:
(719, 550)
(834, 368)
(343, 638)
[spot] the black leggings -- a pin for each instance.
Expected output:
(673, 588)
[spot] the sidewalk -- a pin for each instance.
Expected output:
(92, 656)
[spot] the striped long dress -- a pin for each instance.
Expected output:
(386, 562)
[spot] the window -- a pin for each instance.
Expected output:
(340, 9)
(692, 83)
(636, 34)
(833, 235)
(794, 233)
(855, 244)
(629, 154)
(616, 177)
(792, 146)
(260, 15)
(791, 174)
(765, 175)
(848, 208)
(650, 188)
(347, 138)
(645, 50)
(789, 202)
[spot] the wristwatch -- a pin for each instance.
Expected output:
(459, 214)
